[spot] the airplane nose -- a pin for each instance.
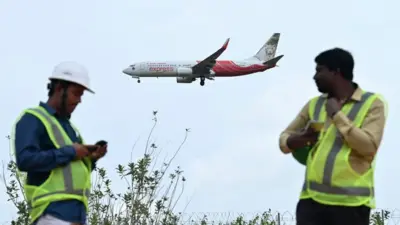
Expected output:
(126, 71)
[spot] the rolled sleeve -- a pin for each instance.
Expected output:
(299, 122)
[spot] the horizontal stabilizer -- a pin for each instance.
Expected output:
(272, 62)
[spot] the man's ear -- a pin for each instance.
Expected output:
(53, 87)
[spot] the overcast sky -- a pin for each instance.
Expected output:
(231, 159)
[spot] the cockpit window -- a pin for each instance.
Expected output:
(132, 66)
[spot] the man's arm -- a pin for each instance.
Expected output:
(365, 140)
(298, 123)
(29, 156)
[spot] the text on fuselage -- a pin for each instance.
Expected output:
(160, 67)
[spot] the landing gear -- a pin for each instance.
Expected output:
(202, 81)
(138, 78)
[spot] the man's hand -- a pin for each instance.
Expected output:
(306, 137)
(332, 106)
(80, 150)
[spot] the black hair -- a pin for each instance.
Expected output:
(337, 59)
(53, 84)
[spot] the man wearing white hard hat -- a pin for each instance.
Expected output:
(53, 154)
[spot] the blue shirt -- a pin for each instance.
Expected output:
(37, 155)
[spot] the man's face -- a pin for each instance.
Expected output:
(324, 79)
(75, 92)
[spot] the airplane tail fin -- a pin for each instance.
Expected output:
(268, 50)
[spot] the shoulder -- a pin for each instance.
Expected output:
(376, 104)
(27, 121)
(379, 104)
(379, 99)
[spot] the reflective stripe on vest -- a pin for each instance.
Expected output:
(318, 108)
(326, 186)
(315, 116)
(67, 170)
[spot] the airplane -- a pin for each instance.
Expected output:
(210, 67)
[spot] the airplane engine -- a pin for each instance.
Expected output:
(184, 71)
(185, 79)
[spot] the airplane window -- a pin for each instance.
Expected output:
(132, 66)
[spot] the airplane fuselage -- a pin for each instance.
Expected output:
(209, 67)
(222, 68)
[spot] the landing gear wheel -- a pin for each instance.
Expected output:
(138, 81)
(202, 81)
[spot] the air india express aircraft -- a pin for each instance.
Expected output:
(210, 67)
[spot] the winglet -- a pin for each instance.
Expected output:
(205, 65)
(226, 44)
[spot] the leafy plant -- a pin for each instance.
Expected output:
(147, 199)
(379, 217)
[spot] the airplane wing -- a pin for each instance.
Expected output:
(208, 63)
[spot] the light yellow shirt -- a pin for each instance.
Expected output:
(363, 141)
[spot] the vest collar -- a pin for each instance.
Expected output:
(52, 111)
(358, 93)
(48, 108)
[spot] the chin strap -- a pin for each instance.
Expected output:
(63, 103)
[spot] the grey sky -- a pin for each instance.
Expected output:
(232, 160)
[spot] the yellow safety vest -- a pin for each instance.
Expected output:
(71, 181)
(329, 178)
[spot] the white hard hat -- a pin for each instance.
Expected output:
(72, 72)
